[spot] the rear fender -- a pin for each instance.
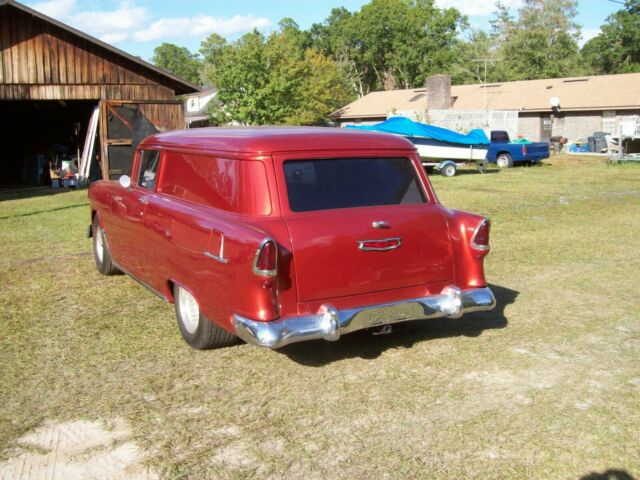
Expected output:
(468, 261)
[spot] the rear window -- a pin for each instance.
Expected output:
(499, 136)
(351, 182)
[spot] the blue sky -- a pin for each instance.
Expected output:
(138, 26)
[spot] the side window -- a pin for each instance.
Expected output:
(149, 161)
(238, 186)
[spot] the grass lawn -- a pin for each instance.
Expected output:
(546, 386)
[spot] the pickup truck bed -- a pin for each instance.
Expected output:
(506, 154)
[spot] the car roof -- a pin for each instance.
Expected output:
(264, 140)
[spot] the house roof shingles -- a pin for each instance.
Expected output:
(604, 92)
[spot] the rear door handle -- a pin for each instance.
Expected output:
(143, 200)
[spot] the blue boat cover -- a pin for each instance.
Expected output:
(408, 128)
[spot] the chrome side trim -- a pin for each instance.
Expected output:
(361, 244)
(216, 257)
(329, 323)
(137, 280)
(130, 275)
(220, 257)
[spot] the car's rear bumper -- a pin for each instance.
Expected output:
(329, 323)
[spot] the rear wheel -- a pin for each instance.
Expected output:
(504, 160)
(196, 329)
(101, 253)
(448, 170)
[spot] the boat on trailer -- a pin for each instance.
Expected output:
(437, 147)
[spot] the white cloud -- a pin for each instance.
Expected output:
(588, 34)
(477, 7)
(198, 26)
(55, 8)
(121, 20)
(134, 23)
(114, 38)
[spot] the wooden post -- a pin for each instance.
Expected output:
(104, 147)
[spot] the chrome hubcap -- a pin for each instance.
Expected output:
(99, 244)
(502, 162)
(189, 310)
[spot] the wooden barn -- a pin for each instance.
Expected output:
(57, 84)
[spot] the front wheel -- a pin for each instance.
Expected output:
(196, 329)
(504, 160)
(101, 253)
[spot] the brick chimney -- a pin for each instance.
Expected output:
(439, 92)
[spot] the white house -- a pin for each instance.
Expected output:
(196, 106)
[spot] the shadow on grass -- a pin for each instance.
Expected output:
(18, 192)
(610, 474)
(363, 344)
(36, 212)
(469, 171)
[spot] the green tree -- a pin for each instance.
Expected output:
(274, 80)
(325, 89)
(179, 61)
(541, 43)
(617, 48)
(211, 48)
(336, 38)
(475, 60)
(390, 43)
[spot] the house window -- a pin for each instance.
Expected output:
(609, 121)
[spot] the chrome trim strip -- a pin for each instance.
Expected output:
(329, 323)
(130, 275)
(137, 280)
(380, 249)
(220, 257)
(265, 273)
(216, 257)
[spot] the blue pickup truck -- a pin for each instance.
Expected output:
(506, 154)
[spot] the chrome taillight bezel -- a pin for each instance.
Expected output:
(475, 233)
(265, 273)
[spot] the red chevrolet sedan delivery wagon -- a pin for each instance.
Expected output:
(281, 235)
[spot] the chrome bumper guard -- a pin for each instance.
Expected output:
(329, 323)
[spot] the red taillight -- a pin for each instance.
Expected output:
(265, 262)
(524, 150)
(480, 239)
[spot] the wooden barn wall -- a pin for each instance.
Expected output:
(41, 61)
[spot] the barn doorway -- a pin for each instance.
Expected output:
(38, 135)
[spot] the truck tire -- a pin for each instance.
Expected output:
(196, 329)
(448, 170)
(504, 160)
(101, 253)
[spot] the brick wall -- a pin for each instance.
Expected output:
(577, 125)
(572, 125)
(529, 126)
